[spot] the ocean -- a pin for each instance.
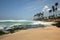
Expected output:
(10, 24)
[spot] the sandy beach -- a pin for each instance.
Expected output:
(47, 33)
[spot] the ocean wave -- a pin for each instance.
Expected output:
(25, 25)
(31, 23)
(15, 20)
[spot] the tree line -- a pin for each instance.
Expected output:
(54, 8)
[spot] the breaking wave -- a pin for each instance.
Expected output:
(22, 24)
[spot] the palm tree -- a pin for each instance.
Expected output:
(56, 4)
(39, 15)
(50, 12)
(42, 14)
(53, 9)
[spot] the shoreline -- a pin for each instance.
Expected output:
(46, 33)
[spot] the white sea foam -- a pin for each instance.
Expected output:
(13, 20)
(43, 23)
(1, 27)
(31, 22)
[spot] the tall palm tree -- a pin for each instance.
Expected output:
(50, 12)
(53, 9)
(56, 4)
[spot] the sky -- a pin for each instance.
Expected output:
(24, 9)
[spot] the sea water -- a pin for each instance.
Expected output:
(22, 23)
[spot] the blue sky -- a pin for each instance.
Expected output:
(23, 9)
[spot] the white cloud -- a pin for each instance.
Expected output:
(46, 8)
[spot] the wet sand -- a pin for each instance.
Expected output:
(47, 33)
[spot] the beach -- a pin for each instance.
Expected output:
(29, 19)
(46, 33)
